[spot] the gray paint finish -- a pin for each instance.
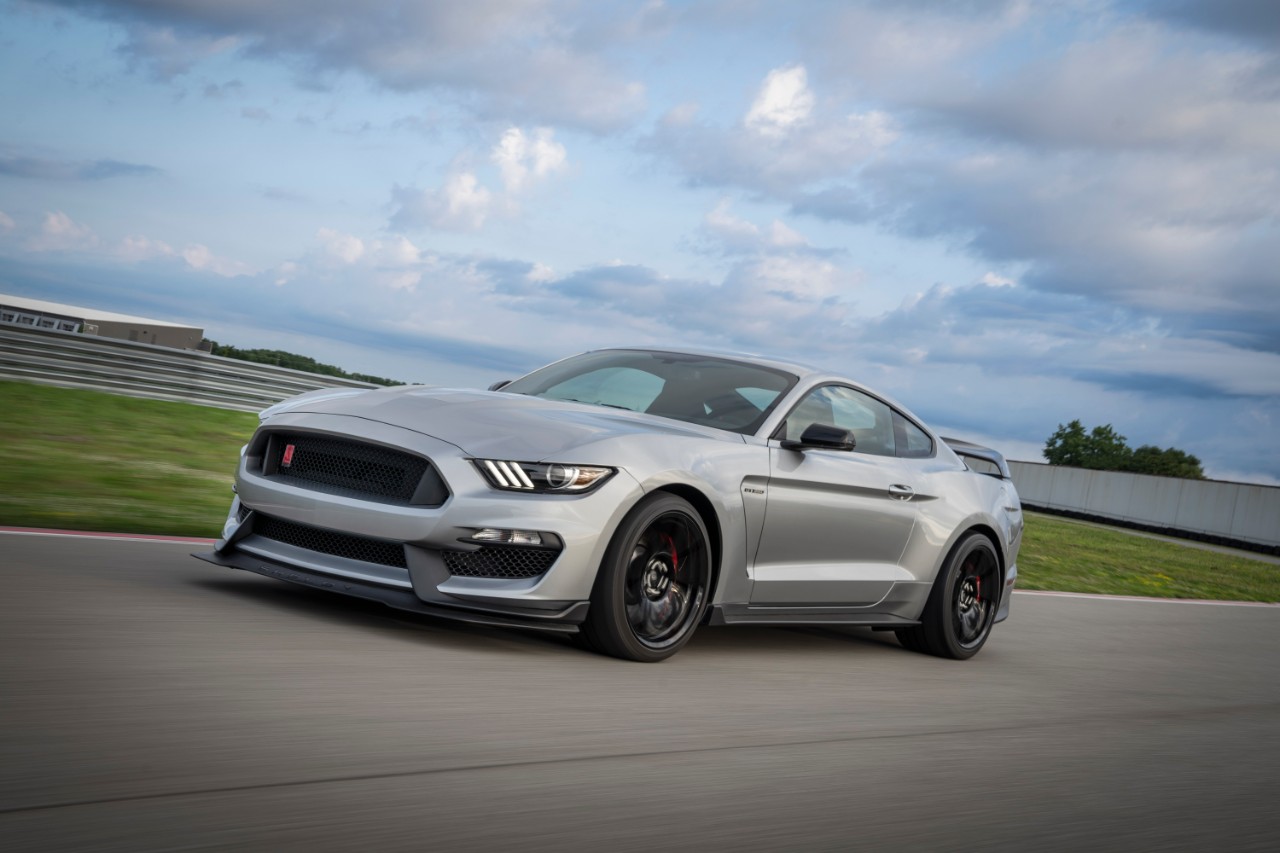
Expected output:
(814, 527)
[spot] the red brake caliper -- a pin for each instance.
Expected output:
(675, 558)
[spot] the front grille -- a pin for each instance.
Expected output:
(353, 468)
(362, 548)
(508, 563)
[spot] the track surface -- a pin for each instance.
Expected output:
(150, 701)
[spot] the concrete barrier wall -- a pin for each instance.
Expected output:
(1210, 508)
(72, 360)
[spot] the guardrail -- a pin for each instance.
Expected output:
(1242, 514)
(72, 360)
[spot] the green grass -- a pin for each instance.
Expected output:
(91, 461)
(1068, 556)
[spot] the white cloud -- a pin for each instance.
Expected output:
(680, 115)
(783, 102)
(738, 235)
(342, 247)
(285, 273)
(6, 222)
(991, 279)
(201, 257)
(60, 233)
(541, 273)
(464, 203)
(788, 142)
(134, 249)
(461, 204)
(524, 158)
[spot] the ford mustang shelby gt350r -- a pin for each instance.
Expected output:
(629, 496)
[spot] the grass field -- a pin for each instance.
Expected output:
(92, 461)
(1068, 556)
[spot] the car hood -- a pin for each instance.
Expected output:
(494, 425)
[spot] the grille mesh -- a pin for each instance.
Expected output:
(352, 468)
(508, 563)
(330, 542)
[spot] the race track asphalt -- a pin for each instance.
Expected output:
(149, 701)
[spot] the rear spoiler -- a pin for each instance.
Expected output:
(984, 460)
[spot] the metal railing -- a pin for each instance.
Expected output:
(72, 360)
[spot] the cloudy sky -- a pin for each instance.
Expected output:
(1007, 215)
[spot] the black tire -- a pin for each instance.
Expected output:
(962, 605)
(654, 582)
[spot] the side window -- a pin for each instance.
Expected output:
(870, 420)
(913, 442)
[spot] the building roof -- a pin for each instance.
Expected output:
(90, 315)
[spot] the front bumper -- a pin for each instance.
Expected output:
(565, 620)
(419, 557)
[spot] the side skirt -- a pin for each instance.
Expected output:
(818, 614)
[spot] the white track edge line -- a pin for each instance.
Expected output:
(1093, 596)
(178, 540)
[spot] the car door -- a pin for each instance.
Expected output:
(836, 521)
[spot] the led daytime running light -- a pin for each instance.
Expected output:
(542, 477)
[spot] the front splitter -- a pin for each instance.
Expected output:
(564, 621)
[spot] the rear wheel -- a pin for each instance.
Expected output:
(654, 582)
(962, 605)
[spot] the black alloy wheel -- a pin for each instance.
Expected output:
(654, 582)
(962, 605)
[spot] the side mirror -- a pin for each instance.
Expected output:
(822, 437)
(500, 384)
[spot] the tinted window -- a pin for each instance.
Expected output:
(913, 442)
(870, 420)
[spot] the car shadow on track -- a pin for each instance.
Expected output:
(348, 613)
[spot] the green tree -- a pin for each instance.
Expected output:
(280, 358)
(1107, 450)
(1170, 462)
(1068, 446)
(1104, 449)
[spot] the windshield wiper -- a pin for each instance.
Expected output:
(597, 403)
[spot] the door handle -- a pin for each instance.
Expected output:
(900, 492)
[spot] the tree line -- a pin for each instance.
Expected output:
(1104, 449)
(280, 358)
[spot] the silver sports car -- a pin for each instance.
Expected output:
(628, 496)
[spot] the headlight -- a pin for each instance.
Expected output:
(550, 478)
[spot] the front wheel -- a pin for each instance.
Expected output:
(653, 584)
(962, 605)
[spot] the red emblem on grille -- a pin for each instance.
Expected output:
(287, 459)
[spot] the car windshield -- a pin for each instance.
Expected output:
(716, 392)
